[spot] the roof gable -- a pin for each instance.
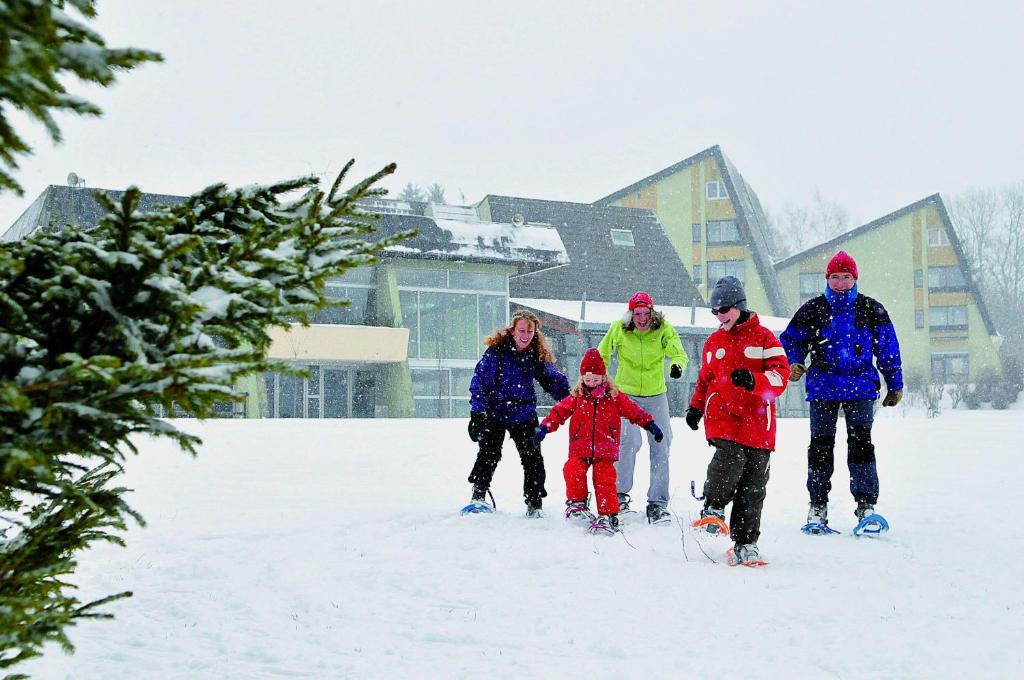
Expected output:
(935, 200)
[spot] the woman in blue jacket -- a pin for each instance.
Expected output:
(503, 399)
(843, 334)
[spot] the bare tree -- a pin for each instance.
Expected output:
(990, 225)
(802, 226)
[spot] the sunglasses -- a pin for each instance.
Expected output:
(724, 309)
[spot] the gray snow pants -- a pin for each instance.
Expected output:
(632, 440)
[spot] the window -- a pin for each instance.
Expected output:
(723, 231)
(696, 232)
(354, 314)
(698, 272)
(948, 366)
(918, 318)
(918, 278)
(946, 278)
(716, 190)
(717, 270)
(622, 237)
(937, 237)
(358, 275)
(811, 284)
(441, 393)
(467, 280)
(422, 278)
(954, 317)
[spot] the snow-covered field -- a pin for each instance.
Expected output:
(334, 549)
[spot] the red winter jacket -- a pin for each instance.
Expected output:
(595, 423)
(731, 412)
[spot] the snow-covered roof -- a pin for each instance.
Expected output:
(602, 314)
(527, 247)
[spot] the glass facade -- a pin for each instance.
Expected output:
(448, 313)
(719, 268)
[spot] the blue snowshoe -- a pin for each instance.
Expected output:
(870, 522)
(479, 504)
(817, 521)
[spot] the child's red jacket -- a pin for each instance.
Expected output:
(731, 412)
(595, 424)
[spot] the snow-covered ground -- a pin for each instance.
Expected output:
(334, 549)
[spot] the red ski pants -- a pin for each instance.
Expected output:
(575, 471)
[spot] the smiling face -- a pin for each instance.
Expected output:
(642, 318)
(840, 282)
(728, 318)
(592, 380)
(523, 333)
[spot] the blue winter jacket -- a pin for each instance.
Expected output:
(502, 385)
(843, 336)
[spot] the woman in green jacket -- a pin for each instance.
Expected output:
(643, 339)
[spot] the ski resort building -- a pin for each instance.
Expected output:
(715, 223)
(912, 262)
(407, 344)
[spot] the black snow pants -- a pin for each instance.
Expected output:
(739, 474)
(491, 441)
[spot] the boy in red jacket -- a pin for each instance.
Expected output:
(743, 371)
(594, 409)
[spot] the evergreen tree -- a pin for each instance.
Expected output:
(435, 193)
(412, 192)
(100, 328)
(41, 44)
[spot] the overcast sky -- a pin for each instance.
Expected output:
(876, 104)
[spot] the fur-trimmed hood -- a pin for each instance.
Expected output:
(657, 320)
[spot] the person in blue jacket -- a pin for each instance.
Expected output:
(836, 339)
(503, 399)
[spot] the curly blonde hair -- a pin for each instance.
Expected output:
(579, 389)
(539, 345)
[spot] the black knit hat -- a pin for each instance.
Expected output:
(728, 292)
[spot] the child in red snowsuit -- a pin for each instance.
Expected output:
(594, 409)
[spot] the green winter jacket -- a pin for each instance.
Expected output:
(641, 371)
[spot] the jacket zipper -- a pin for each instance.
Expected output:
(593, 431)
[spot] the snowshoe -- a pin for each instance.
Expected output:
(656, 514)
(533, 509)
(817, 521)
(745, 555)
(476, 507)
(712, 521)
(817, 529)
(478, 502)
(871, 525)
(578, 510)
(604, 525)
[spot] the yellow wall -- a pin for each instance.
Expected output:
(887, 256)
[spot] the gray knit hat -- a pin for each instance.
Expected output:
(728, 292)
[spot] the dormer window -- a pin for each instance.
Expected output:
(623, 237)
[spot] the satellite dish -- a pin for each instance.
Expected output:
(72, 179)
(518, 220)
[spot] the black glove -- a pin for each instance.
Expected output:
(693, 416)
(477, 424)
(653, 428)
(741, 377)
(676, 371)
(892, 397)
(539, 435)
